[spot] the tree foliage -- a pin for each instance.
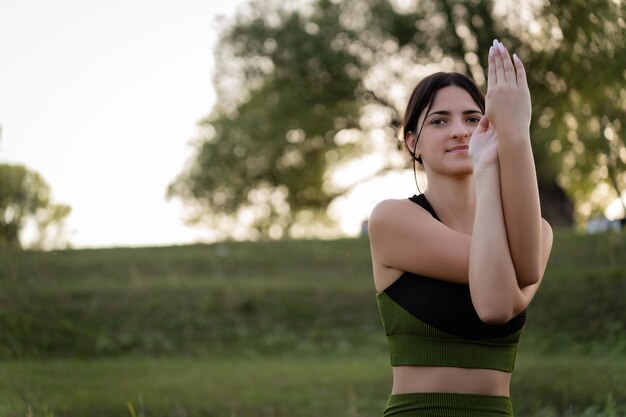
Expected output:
(304, 86)
(24, 196)
(582, 77)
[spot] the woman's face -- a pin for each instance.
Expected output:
(447, 128)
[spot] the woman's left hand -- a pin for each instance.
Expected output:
(508, 98)
(483, 146)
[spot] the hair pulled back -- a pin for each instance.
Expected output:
(422, 98)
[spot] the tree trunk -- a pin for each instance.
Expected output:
(556, 207)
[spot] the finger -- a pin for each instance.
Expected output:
(491, 69)
(509, 70)
(499, 62)
(483, 124)
(521, 71)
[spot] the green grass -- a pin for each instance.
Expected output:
(212, 386)
(302, 296)
(274, 329)
(333, 385)
(565, 383)
(316, 262)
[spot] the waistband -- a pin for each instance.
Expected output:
(438, 404)
(418, 350)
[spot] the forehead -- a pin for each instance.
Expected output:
(453, 98)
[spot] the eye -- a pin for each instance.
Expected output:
(473, 119)
(437, 122)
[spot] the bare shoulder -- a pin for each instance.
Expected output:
(395, 219)
(386, 223)
(390, 211)
(404, 237)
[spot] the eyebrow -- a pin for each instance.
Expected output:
(447, 113)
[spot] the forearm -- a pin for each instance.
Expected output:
(520, 205)
(492, 280)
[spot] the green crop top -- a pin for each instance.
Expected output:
(431, 322)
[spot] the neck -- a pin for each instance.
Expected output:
(454, 200)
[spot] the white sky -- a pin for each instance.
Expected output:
(102, 99)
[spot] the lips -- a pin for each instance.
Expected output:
(458, 148)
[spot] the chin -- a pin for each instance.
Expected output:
(456, 170)
(462, 171)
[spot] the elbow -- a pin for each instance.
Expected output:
(528, 270)
(530, 277)
(495, 315)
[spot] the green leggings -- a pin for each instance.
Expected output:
(447, 405)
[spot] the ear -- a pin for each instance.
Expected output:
(409, 141)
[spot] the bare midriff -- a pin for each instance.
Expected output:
(409, 379)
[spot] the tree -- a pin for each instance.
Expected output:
(303, 88)
(269, 142)
(585, 98)
(24, 196)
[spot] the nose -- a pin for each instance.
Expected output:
(459, 131)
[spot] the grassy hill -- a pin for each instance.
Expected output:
(214, 327)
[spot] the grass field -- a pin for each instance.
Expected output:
(339, 385)
(285, 328)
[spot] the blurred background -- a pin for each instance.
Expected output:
(152, 123)
(166, 167)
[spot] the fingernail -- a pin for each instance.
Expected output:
(501, 46)
(495, 43)
(515, 57)
(491, 51)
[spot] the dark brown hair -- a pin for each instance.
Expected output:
(422, 98)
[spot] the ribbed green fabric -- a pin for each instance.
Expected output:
(413, 342)
(447, 405)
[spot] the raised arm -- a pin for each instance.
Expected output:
(493, 283)
(508, 108)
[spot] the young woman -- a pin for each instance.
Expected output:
(456, 266)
